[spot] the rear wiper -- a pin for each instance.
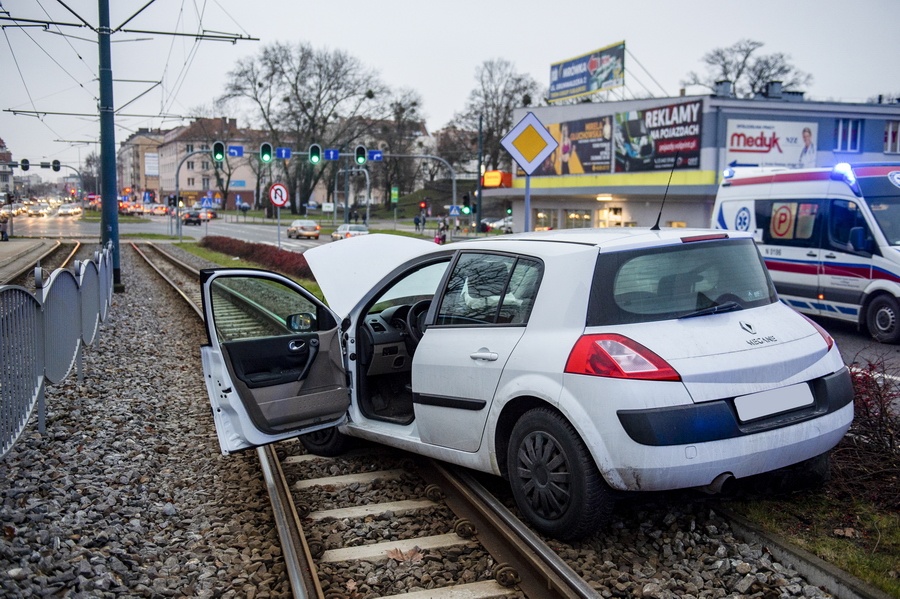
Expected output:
(724, 307)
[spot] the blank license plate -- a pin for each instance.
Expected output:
(766, 403)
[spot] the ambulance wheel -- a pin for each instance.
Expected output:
(883, 319)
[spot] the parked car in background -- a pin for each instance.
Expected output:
(303, 228)
(192, 217)
(69, 210)
(345, 231)
(584, 362)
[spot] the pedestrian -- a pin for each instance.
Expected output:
(356, 217)
(3, 227)
(417, 222)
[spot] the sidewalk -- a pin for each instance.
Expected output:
(17, 254)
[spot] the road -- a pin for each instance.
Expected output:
(856, 347)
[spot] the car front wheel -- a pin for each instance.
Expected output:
(883, 319)
(553, 477)
(328, 442)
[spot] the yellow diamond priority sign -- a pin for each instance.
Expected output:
(529, 143)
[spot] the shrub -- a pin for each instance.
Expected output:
(866, 463)
(267, 256)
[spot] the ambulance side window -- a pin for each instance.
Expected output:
(795, 223)
(844, 215)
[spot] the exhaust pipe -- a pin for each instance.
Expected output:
(717, 483)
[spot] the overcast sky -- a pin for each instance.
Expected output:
(852, 49)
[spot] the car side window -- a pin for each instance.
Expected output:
(844, 216)
(795, 223)
(250, 308)
(487, 289)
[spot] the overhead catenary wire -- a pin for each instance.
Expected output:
(649, 74)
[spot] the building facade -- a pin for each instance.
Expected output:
(7, 185)
(616, 161)
(238, 176)
(138, 165)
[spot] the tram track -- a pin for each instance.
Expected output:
(335, 517)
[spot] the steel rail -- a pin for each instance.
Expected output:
(543, 573)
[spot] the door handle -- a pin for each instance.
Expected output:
(811, 254)
(484, 354)
(830, 256)
(296, 345)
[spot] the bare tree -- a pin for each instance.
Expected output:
(401, 133)
(500, 89)
(749, 71)
(457, 147)
(90, 172)
(301, 96)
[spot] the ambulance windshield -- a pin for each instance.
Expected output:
(886, 210)
(883, 198)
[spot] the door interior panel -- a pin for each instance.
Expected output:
(284, 388)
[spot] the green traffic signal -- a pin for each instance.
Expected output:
(265, 151)
(218, 151)
(361, 154)
(315, 153)
(466, 210)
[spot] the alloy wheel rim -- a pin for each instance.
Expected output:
(543, 469)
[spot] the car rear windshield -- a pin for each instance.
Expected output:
(670, 282)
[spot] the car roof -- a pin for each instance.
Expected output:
(346, 271)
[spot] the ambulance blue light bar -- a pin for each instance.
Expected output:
(728, 173)
(844, 172)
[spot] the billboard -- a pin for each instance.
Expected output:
(650, 140)
(589, 73)
(151, 164)
(788, 144)
(585, 147)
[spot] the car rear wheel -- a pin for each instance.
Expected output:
(553, 477)
(327, 442)
(883, 319)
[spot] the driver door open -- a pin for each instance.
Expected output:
(273, 364)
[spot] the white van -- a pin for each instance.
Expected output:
(829, 236)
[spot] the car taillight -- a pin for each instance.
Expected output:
(829, 340)
(318, 227)
(619, 357)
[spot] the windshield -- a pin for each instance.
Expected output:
(886, 211)
(693, 279)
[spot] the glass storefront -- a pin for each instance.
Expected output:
(577, 219)
(545, 219)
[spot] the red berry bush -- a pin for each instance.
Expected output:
(267, 256)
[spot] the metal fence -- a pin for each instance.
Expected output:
(42, 336)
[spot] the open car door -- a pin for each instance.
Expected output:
(273, 363)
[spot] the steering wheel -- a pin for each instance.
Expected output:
(415, 319)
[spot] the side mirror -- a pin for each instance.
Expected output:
(859, 241)
(301, 323)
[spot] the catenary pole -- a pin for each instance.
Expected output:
(109, 216)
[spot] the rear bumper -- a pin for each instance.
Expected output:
(717, 420)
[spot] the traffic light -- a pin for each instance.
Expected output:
(315, 154)
(265, 151)
(423, 205)
(361, 154)
(127, 191)
(508, 207)
(55, 165)
(218, 151)
(24, 164)
(172, 203)
(466, 208)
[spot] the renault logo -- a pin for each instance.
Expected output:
(748, 327)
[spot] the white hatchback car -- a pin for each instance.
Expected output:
(574, 363)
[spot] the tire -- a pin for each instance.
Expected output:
(883, 319)
(573, 500)
(327, 442)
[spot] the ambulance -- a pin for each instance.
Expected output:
(830, 237)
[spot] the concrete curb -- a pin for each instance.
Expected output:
(818, 572)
